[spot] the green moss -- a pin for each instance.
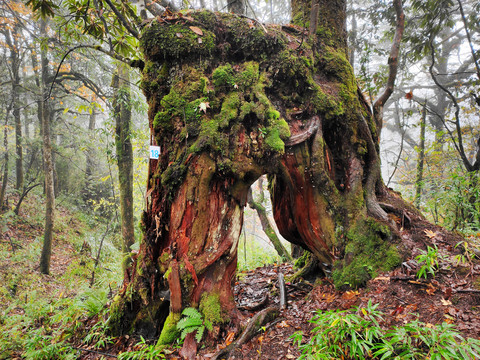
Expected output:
(176, 41)
(211, 308)
(223, 77)
(302, 260)
(273, 142)
(249, 76)
(169, 333)
(369, 250)
(229, 111)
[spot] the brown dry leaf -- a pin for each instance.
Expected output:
(282, 324)
(409, 95)
(328, 298)
(431, 234)
(430, 290)
(229, 338)
(382, 278)
(196, 30)
(260, 339)
(179, 35)
(349, 295)
(290, 356)
(446, 302)
(430, 326)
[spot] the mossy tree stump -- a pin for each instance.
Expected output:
(230, 100)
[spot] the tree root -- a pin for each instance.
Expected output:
(255, 324)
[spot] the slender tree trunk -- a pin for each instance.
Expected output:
(45, 114)
(89, 158)
(123, 118)
(421, 157)
(11, 39)
(3, 189)
(266, 226)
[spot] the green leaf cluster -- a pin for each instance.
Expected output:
(356, 334)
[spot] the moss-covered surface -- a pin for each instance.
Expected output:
(169, 332)
(369, 249)
(212, 310)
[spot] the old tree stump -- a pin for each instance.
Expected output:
(229, 100)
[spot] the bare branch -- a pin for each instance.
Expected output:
(475, 60)
(392, 64)
(459, 143)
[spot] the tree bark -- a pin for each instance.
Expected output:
(123, 117)
(45, 117)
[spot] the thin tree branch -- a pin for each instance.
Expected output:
(469, 39)
(122, 19)
(459, 143)
(392, 64)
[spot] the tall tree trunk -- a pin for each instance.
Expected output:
(89, 158)
(225, 110)
(3, 188)
(11, 39)
(123, 118)
(421, 157)
(45, 115)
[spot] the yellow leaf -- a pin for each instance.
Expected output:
(430, 233)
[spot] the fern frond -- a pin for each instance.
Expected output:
(199, 334)
(191, 313)
(189, 322)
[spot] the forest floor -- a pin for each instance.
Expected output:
(37, 310)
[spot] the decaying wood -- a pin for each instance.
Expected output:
(313, 125)
(254, 325)
(283, 292)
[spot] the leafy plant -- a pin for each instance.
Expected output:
(428, 261)
(356, 334)
(193, 321)
(342, 334)
(468, 254)
(145, 352)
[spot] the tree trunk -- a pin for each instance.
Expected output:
(45, 117)
(421, 157)
(89, 159)
(123, 117)
(11, 39)
(227, 104)
(266, 226)
(3, 189)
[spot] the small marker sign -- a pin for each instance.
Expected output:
(154, 152)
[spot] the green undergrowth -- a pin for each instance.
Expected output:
(357, 334)
(255, 253)
(41, 315)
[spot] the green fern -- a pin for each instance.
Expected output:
(193, 321)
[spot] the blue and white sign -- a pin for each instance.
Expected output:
(154, 152)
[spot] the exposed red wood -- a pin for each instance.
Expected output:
(175, 288)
